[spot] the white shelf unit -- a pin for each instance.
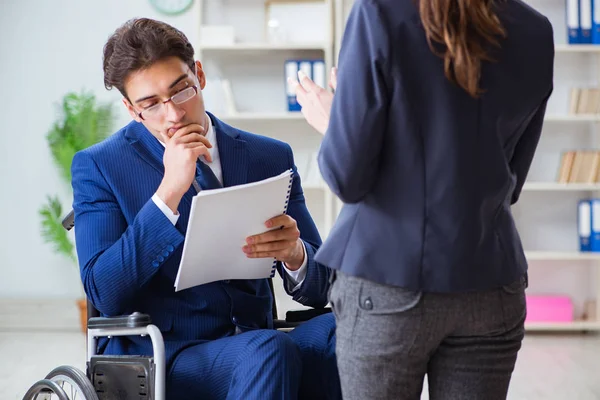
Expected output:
(562, 256)
(560, 187)
(572, 118)
(575, 326)
(576, 48)
(254, 68)
(264, 46)
(262, 116)
(546, 214)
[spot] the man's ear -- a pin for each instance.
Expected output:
(200, 74)
(131, 111)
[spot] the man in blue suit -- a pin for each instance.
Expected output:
(132, 197)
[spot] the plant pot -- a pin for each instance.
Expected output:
(82, 305)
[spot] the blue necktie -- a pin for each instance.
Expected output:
(205, 177)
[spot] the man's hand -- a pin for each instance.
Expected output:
(315, 100)
(182, 150)
(283, 244)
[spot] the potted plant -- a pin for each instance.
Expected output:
(82, 123)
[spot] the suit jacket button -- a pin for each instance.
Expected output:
(160, 259)
(368, 304)
(155, 264)
(166, 253)
(235, 320)
(170, 248)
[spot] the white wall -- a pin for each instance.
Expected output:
(48, 48)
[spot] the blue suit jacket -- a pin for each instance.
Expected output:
(129, 252)
(429, 173)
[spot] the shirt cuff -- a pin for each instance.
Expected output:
(165, 209)
(296, 277)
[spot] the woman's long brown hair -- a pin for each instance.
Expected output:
(463, 30)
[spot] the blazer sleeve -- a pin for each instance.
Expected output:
(348, 157)
(313, 290)
(525, 149)
(116, 259)
(522, 157)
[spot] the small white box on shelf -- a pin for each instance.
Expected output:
(282, 18)
(217, 35)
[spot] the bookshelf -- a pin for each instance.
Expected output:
(261, 46)
(546, 214)
(561, 187)
(243, 52)
(262, 116)
(583, 118)
(571, 48)
(236, 44)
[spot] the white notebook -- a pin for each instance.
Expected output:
(219, 223)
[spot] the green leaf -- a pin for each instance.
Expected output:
(81, 123)
(52, 229)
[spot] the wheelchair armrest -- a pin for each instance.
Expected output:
(68, 222)
(135, 320)
(299, 316)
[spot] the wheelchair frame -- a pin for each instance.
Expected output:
(130, 325)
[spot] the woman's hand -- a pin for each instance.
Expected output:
(315, 100)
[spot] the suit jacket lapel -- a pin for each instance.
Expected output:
(146, 145)
(233, 153)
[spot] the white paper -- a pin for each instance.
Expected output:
(219, 223)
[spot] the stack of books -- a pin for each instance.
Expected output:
(584, 101)
(579, 166)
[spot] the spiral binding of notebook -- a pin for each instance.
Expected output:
(285, 207)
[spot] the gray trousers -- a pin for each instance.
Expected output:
(388, 338)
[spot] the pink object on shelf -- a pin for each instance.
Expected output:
(549, 309)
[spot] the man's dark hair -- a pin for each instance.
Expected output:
(137, 45)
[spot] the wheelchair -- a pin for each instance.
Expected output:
(123, 377)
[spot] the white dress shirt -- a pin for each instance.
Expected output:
(296, 277)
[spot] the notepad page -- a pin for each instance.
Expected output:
(219, 223)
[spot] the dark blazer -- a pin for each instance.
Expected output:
(428, 173)
(129, 252)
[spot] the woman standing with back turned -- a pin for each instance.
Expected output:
(437, 114)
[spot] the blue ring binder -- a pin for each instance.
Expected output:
(285, 206)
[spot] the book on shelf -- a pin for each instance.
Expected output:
(583, 22)
(579, 166)
(584, 101)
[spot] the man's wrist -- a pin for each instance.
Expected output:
(169, 196)
(296, 262)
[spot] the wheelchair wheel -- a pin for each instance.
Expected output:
(74, 383)
(45, 390)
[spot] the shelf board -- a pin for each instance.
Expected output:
(252, 116)
(577, 48)
(560, 187)
(562, 256)
(265, 46)
(572, 117)
(563, 326)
